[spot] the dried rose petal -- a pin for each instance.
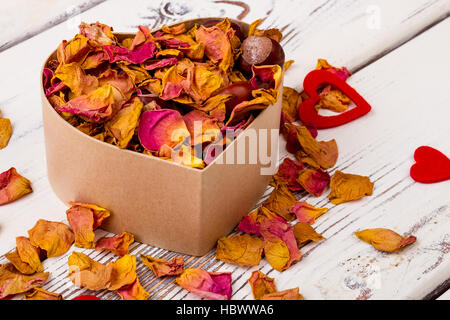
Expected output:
(135, 56)
(123, 272)
(98, 105)
(291, 101)
(321, 154)
(75, 79)
(13, 186)
(342, 73)
(288, 172)
(158, 64)
(121, 128)
(202, 127)
(41, 294)
(333, 99)
(263, 98)
(266, 77)
(287, 64)
(172, 84)
(29, 253)
(289, 294)
(290, 134)
(134, 291)
(304, 233)
(13, 282)
(347, 187)
(384, 239)
(86, 297)
(280, 201)
(98, 32)
(118, 245)
(161, 127)
(21, 266)
(161, 267)
(217, 45)
(88, 273)
(314, 181)
(84, 219)
(280, 245)
(122, 84)
(57, 87)
(75, 50)
(251, 223)
(307, 213)
(5, 132)
(242, 250)
(178, 29)
(208, 285)
(53, 237)
(261, 284)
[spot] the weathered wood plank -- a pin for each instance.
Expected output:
(22, 19)
(445, 296)
(333, 30)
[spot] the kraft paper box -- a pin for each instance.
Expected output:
(162, 203)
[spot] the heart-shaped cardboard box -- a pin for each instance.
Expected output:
(162, 203)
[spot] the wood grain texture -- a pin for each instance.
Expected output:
(22, 19)
(341, 267)
(445, 296)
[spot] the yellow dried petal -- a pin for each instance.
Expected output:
(280, 201)
(291, 101)
(384, 239)
(73, 76)
(322, 153)
(242, 250)
(5, 132)
(29, 253)
(134, 291)
(13, 186)
(289, 294)
(118, 244)
(88, 273)
(21, 266)
(41, 294)
(277, 254)
(304, 233)
(306, 212)
(121, 128)
(333, 99)
(53, 237)
(347, 187)
(123, 272)
(288, 64)
(161, 267)
(13, 282)
(84, 219)
(261, 284)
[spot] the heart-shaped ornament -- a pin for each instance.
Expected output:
(431, 165)
(309, 115)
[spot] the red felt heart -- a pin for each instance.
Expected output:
(309, 115)
(431, 165)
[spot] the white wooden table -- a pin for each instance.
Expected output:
(399, 53)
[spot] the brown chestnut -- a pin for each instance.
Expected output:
(237, 29)
(260, 51)
(241, 91)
